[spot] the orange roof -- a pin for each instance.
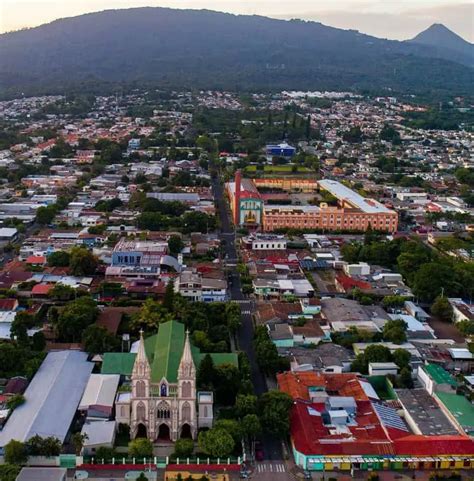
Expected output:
(296, 384)
(41, 289)
(36, 260)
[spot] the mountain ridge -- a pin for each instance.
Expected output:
(446, 44)
(207, 49)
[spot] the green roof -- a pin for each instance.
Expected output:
(168, 348)
(460, 408)
(118, 363)
(164, 351)
(440, 375)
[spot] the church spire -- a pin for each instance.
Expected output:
(186, 365)
(141, 366)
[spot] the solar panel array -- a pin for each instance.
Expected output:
(390, 417)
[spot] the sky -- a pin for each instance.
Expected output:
(394, 19)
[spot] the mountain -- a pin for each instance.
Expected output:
(206, 49)
(446, 44)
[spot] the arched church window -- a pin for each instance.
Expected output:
(163, 390)
(186, 412)
(163, 411)
(141, 411)
(186, 389)
(140, 389)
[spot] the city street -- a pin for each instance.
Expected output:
(271, 446)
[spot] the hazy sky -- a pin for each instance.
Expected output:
(398, 19)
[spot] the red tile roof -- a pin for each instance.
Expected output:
(41, 289)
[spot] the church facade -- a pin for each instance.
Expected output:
(163, 402)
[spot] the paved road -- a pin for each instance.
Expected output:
(271, 447)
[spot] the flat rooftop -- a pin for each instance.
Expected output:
(341, 192)
(426, 413)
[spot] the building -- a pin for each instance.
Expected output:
(194, 286)
(280, 150)
(245, 201)
(353, 211)
(42, 474)
(164, 402)
(52, 398)
(338, 423)
(264, 242)
(99, 396)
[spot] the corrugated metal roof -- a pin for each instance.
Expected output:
(51, 398)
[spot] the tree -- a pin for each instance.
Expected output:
(62, 292)
(206, 374)
(151, 315)
(245, 404)
(183, 448)
(78, 440)
(20, 325)
(430, 280)
(274, 408)
(105, 453)
(401, 357)
(251, 426)
(232, 426)
(140, 448)
(82, 262)
(14, 401)
(76, 316)
(46, 214)
(442, 309)
(38, 341)
(175, 245)
(97, 340)
(233, 316)
(15, 452)
(59, 259)
(168, 299)
(196, 221)
(226, 384)
(39, 446)
(216, 442)
(406, 379)
(395, 331)
(9, 472)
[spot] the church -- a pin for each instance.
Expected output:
(163, 403)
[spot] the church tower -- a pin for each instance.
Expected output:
(140, 410)
(187, 416)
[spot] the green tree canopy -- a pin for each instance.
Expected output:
(97, 340)
(216, 442)
(75, 317)
(15, 452)
(274, 409)
(140, 448)
(442, 309)
(82, 262)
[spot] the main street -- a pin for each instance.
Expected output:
(271, 446)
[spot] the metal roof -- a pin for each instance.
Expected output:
(341, 192)
(51, 398)
(100, 391)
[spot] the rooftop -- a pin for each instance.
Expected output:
(51, 398)
(426, 413)
(439, 375)
(342, 192)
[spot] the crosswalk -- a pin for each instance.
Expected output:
(270, 468)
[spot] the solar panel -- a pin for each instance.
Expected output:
(389, 417)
